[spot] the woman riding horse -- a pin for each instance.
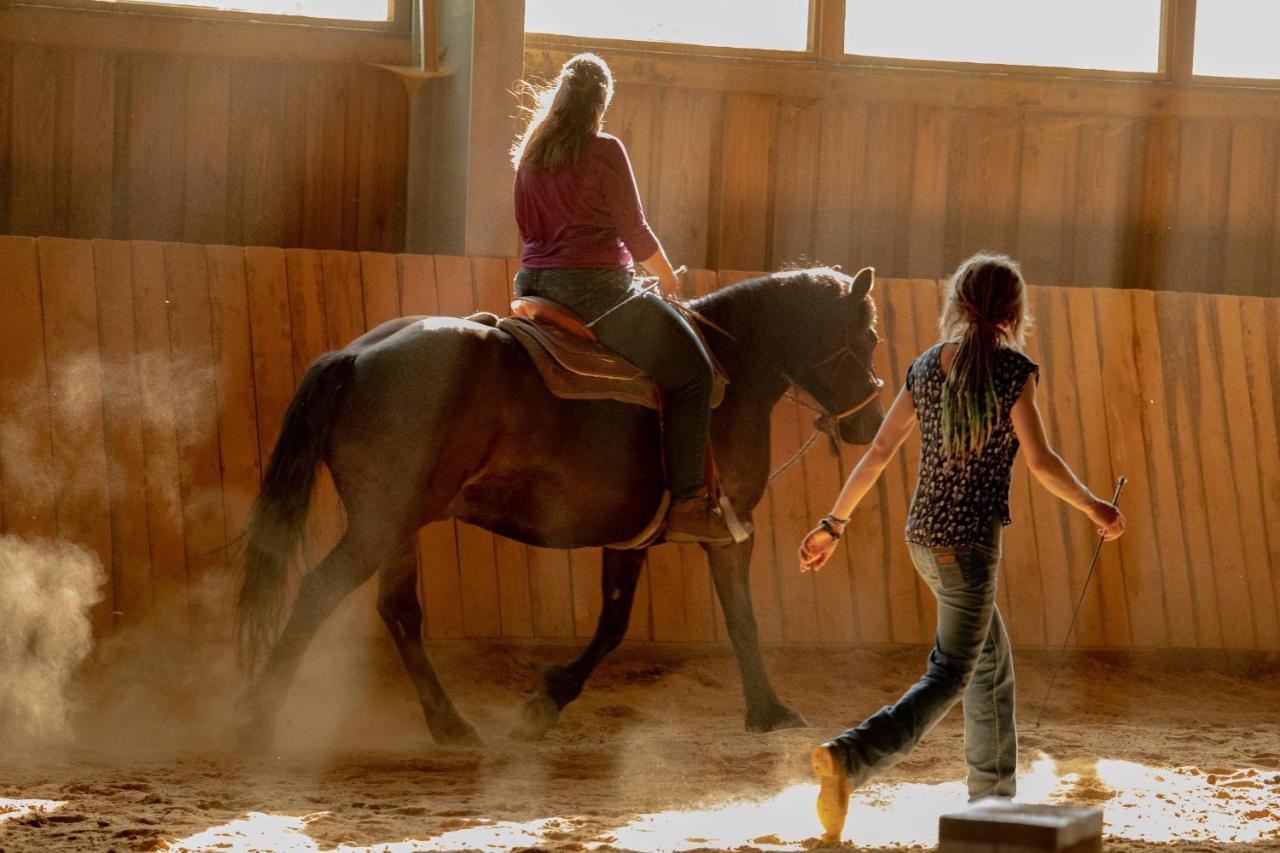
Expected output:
(582, 225)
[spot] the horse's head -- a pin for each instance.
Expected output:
(831, 322)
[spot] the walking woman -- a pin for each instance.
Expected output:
(583, 227)
(973, 395)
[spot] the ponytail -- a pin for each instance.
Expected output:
(565, 115)
(985, 309)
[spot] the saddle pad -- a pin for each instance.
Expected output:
(576, 369)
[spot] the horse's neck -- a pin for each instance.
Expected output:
(737, 335)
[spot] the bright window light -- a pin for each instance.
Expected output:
(761, 24)
(1237, 38)
(1112, 35)
(346, 10)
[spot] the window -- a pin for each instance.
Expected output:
(1112, 35)
(347, 10)
(1237, 38)
(760, 24)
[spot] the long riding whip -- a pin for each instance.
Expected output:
(1062, 653)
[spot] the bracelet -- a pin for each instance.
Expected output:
(829, 522)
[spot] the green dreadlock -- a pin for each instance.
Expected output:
(985, 306)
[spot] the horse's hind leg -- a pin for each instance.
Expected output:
(562, 684)
(400, 610)
(351, 563)
(729, 569)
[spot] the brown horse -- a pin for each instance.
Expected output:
(423, 419)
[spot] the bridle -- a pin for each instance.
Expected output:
(828, 423)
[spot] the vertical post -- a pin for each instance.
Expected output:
(1181, 39)
(460, 129)
(828, 29)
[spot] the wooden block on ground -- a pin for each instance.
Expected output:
(999, 825)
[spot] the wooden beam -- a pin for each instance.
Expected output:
(1181, 39)
(937, 85)
(828, 29)
(113, 29)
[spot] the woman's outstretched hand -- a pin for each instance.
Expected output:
(816, 549)
(1109, 519)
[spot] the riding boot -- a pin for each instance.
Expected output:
(697, 519)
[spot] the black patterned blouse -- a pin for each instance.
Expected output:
(956, 500)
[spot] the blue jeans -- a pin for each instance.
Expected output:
(970, 660)
(653, 336)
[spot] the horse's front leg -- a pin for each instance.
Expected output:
(562, 684)
(729, 569)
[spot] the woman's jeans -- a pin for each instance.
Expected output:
(970, 660)
(654, 337)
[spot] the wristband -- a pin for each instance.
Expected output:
(828, 523)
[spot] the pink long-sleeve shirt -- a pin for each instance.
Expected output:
(587, 214)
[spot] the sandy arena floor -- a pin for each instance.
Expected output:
(654, 757)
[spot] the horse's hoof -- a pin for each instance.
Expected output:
(775, 718)
(537, 717)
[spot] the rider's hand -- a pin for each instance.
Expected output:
(1109, 519)
(816, 549)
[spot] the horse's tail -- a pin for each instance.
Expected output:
(275, 523)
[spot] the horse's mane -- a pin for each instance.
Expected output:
(828, 281)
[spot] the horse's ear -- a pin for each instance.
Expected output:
(863, 281)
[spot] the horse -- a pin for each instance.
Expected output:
(428, 418)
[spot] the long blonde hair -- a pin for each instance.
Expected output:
(985, 308)
(565, 115)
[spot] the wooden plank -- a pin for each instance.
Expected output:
(1122, 400)
(1107, 147)
(195, 410)
(380, 278)
(123, 423)
(1047, 214)
(930, 176)
(551, 593)
(93, 81)
(75, 406)
(343, 298)
(790, 522)
(898, 321)
(261, 154)
(1096, 467)
(986, 183)
(367, 221)
(26, 455)
(1158, 191)
(679, 199)
(1181, 615)
(205, 150)
(1177, 342)
(1263, 378)
(1251, 210)
(796, 184)
(1244, 464)
(1199, 248)
(1061, 535)
(841, 159)
(390, 166)
(165, 528)
(33, 199)
(750, 123)
(584, 569)
(270, 331)
(356, 92)
(885, 202)
(6, 134)
(155, 149)
(1230, 571)
(233, 363)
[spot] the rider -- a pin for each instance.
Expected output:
(582, 226)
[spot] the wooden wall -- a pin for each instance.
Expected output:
(753, 164)
(123, 143)
(142, 385)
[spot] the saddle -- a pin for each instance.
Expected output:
(575, 366)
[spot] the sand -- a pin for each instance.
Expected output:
(653, 757)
